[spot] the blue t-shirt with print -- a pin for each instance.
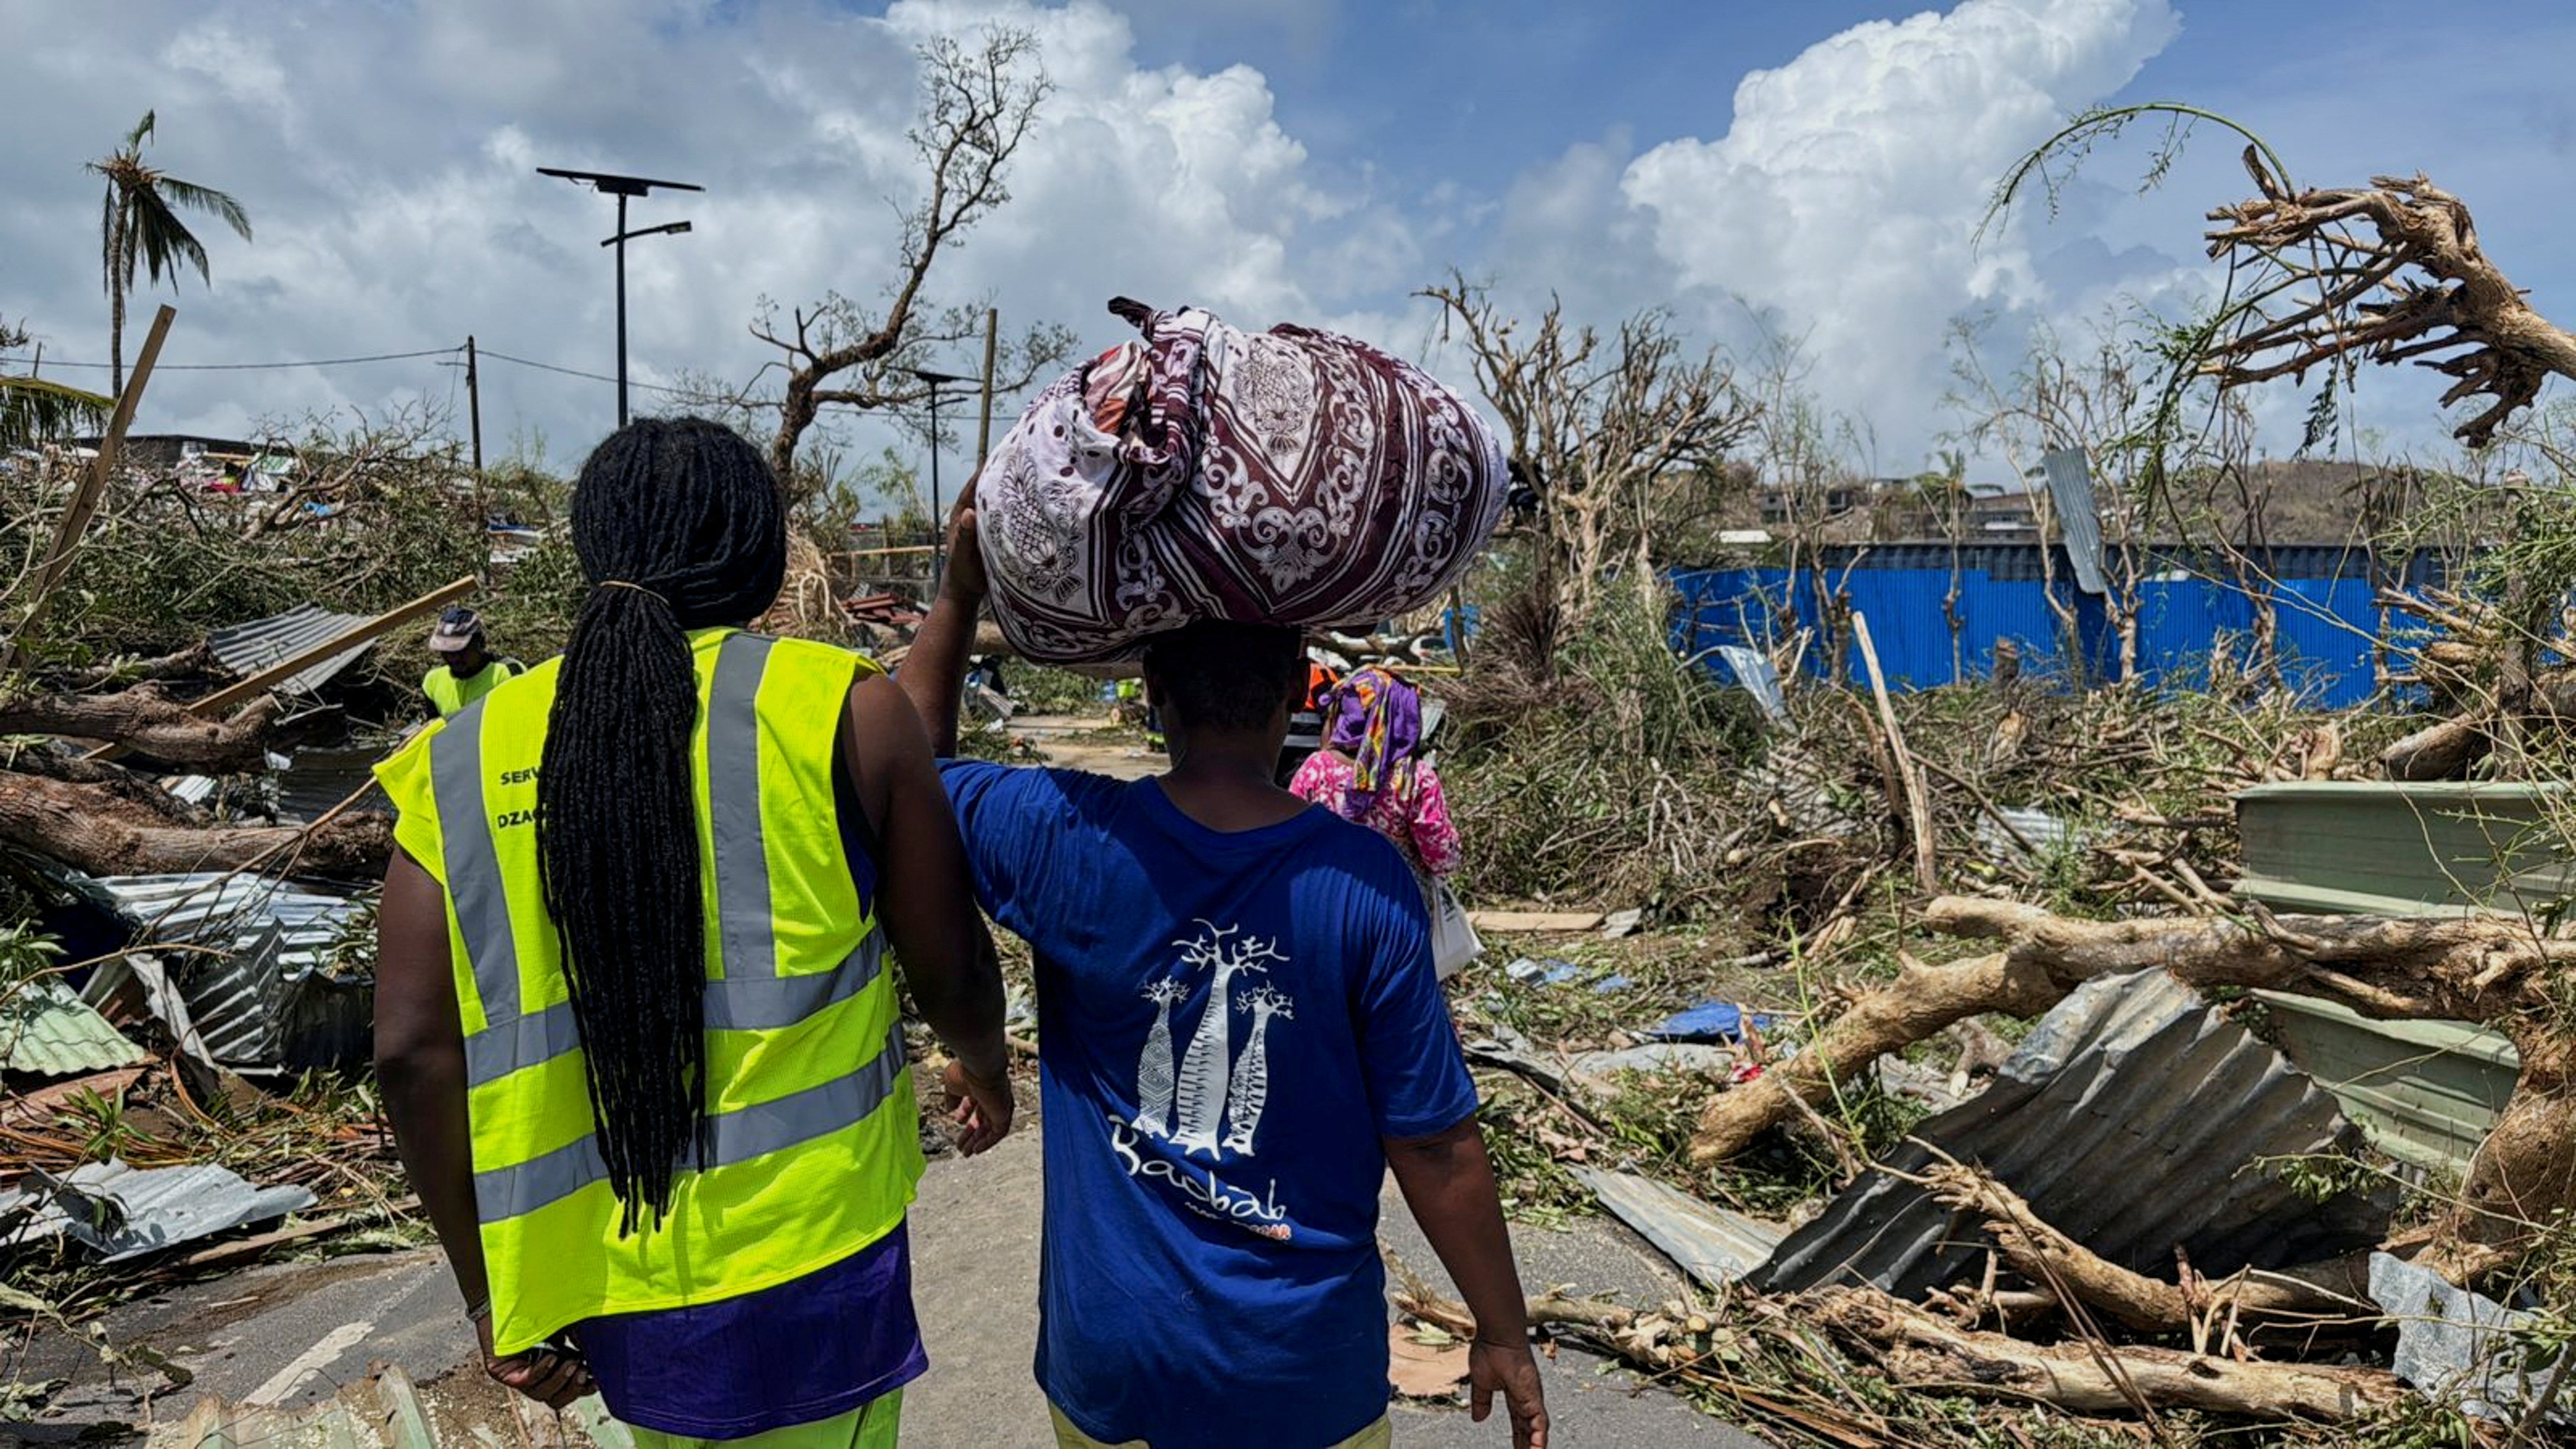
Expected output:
(1229, 1025)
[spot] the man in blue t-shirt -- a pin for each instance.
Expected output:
(1240, 1034)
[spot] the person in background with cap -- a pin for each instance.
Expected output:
(466, 671)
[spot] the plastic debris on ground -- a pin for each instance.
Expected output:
(120, 1212)
(1712, 1021)
(46, 1029)
(1553, 971)
(2455, 1345)
(385, 1411)
(1622, 923)
(2131, 1119)
(1714, 1245)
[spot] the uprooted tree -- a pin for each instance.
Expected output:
(977, 108)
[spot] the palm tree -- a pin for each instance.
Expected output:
(33, 409)
(139, 223)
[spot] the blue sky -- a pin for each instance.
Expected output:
(1306, 160)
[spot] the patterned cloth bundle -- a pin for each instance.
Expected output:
(1287, 477)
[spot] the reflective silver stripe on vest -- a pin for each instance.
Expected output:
(757, 1004)
(744, 919)
(473, 868)
(733, 1137)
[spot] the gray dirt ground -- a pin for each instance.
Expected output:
(293, 1334)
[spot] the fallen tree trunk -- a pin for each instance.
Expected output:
(93, 830)
(151, 723)
(1917, 1350)
(2492, 970)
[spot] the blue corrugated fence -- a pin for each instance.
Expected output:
(2188, 610)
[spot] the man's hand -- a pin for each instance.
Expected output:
(1510, 1368)
(964, 579)
(552, 1376)
(981, 1107)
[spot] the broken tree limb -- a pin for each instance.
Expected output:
(1919, 1350)
(2497, 971)
(2443, 751)
(146, 720)
(92, 830)
(2336, 1291)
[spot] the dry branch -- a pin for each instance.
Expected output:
(2325, 1292)
(2353, 295)
(1918, 1350)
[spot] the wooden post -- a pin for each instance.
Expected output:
(84, 502)
(1918, 806)
(984, 431)
(294, 664)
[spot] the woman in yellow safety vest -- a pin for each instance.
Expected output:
(636, 1038)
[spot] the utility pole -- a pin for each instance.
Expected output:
(984, 433)
(623, 187)
(474, 407)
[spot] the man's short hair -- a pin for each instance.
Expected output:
(1225, 676)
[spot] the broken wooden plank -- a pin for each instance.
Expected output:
(1534, 922)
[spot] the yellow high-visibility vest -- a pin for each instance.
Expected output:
(448, 693)
(813, 1145)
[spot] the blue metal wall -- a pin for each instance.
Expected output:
(2321, 600)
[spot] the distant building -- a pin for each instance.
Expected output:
(1891, 510)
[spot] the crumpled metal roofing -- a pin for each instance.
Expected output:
(313, 781)
(265, 1002)
(249, 648)
(1714, 1245)
(47, 1029)
(2128, 1120)
(123, 1212)
(2458, 1346)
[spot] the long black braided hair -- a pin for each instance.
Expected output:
(679, 525)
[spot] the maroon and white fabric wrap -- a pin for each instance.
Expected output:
(1288, 477)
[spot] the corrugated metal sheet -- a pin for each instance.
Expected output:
(2416, 847)
(315, 781)
(121, 1212)
(2079, 522)
(1714, 1245)
(2464, 1348)
(45, 1028)
(265, 1002)
(249, 648)
(2127, 1120)
(1760, 678)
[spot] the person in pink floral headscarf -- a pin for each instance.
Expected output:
(1368, 772)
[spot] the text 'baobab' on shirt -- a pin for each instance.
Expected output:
(1229, 1025)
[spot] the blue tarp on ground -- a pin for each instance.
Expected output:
(2188, 609)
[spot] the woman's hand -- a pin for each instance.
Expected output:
(1511, 1369)
(964, 576)
(550, 1375)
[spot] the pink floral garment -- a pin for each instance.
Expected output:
(1420, 829)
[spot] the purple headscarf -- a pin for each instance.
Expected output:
(1377, 721)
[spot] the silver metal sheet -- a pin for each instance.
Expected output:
(252, 647)
(2129, 1119)
(2460, 1347)
(1760, 678)
(121, 1212)
(1714, 1245)
(244, 1003)
(2079, 521)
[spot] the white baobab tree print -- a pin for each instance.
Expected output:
(1251, 1090)
(1204, 1067)
(1154, 1078)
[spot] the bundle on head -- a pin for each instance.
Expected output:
(679, 525)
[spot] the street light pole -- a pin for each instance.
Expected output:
(623, 187)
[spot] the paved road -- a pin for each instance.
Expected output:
(293, 1334)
